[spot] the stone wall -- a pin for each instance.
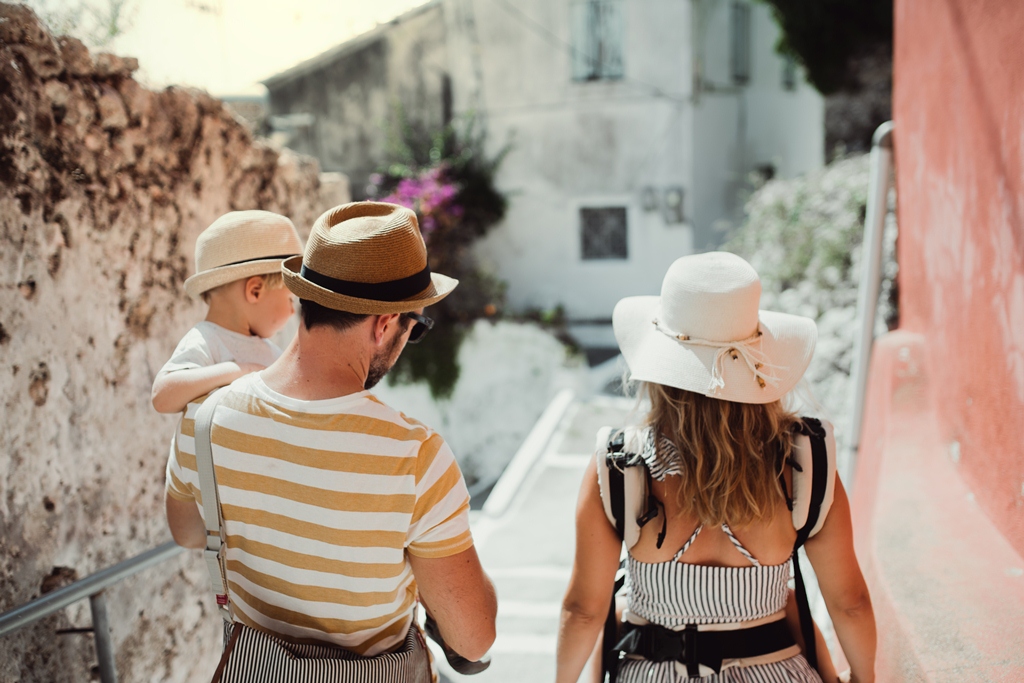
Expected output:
(104, 186)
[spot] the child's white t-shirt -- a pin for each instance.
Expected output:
(208, 343)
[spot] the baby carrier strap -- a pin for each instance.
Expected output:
(213, 553)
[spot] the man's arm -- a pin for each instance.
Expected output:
(185, 522)
(461, 599)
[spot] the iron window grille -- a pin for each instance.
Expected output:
(603, 233)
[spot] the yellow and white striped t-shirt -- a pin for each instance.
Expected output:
(321, 501)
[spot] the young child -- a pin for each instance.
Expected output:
(238, 274)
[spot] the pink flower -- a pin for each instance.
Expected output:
(430, 195)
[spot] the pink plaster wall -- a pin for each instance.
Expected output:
(958, 105)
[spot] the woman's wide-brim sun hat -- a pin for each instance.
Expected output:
(239, 245)
(706, 334)
(366, 258)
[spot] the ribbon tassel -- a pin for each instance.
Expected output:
(748, 349)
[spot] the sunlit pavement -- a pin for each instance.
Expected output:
(528, 550)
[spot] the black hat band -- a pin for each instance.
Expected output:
(393, 290)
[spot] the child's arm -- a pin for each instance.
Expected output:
(172, 390)
(826, 668)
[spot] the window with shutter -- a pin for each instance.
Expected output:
(740, 39)
(597, 40)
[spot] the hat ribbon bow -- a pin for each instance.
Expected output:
(748, 349)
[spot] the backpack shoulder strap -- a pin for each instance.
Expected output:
(622, 478)
(813, 459)
(814, 473)
(211, 499)
(609, 479)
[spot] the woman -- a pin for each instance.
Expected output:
(712, 554)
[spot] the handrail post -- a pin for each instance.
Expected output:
(101, 632)
(870, 283)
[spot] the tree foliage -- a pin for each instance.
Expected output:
(447, 178)
(804, 237)
(827, 35)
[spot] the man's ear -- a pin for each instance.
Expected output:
(381, 325)
(253, 289)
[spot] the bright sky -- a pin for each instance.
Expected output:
(228, 46)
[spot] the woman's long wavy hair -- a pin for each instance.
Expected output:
(731, 454)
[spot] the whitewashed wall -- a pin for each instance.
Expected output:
(579, 144)
(738, 129)
(601, 143)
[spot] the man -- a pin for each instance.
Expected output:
(338, 510)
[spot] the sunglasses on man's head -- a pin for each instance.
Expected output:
(420, 329)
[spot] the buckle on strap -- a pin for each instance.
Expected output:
(659, 644)
(212, 558)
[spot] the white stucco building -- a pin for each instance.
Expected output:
(635, 125)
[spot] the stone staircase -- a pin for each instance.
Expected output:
(528, 548)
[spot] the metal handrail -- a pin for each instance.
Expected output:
(90, 587)
(870, 284)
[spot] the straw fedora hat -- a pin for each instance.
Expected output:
(241, 244)
(366, 258)
(705, 333)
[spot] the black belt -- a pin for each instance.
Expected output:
(692, 647)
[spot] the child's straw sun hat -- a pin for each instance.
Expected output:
(239, 245)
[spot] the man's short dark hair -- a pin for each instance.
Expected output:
(313, 314)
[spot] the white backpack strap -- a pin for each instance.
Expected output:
(601, 453)
(634, 483)
(211, 501)
(803, 476)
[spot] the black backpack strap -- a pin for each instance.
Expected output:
(617, 460)
(610, 657)
(819, 475)
(617, 482)
(617, 500)
(819, 483)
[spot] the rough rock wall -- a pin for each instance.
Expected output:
(104, 186)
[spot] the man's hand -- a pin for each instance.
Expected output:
(461, 598)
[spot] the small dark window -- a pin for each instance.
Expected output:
(740, 43)
(597, 40)
(788, 72)
(603, 233)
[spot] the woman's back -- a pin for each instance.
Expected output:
(769, 541)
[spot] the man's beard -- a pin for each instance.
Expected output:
(381, 363)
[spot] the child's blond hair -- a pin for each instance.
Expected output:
(270, 281)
